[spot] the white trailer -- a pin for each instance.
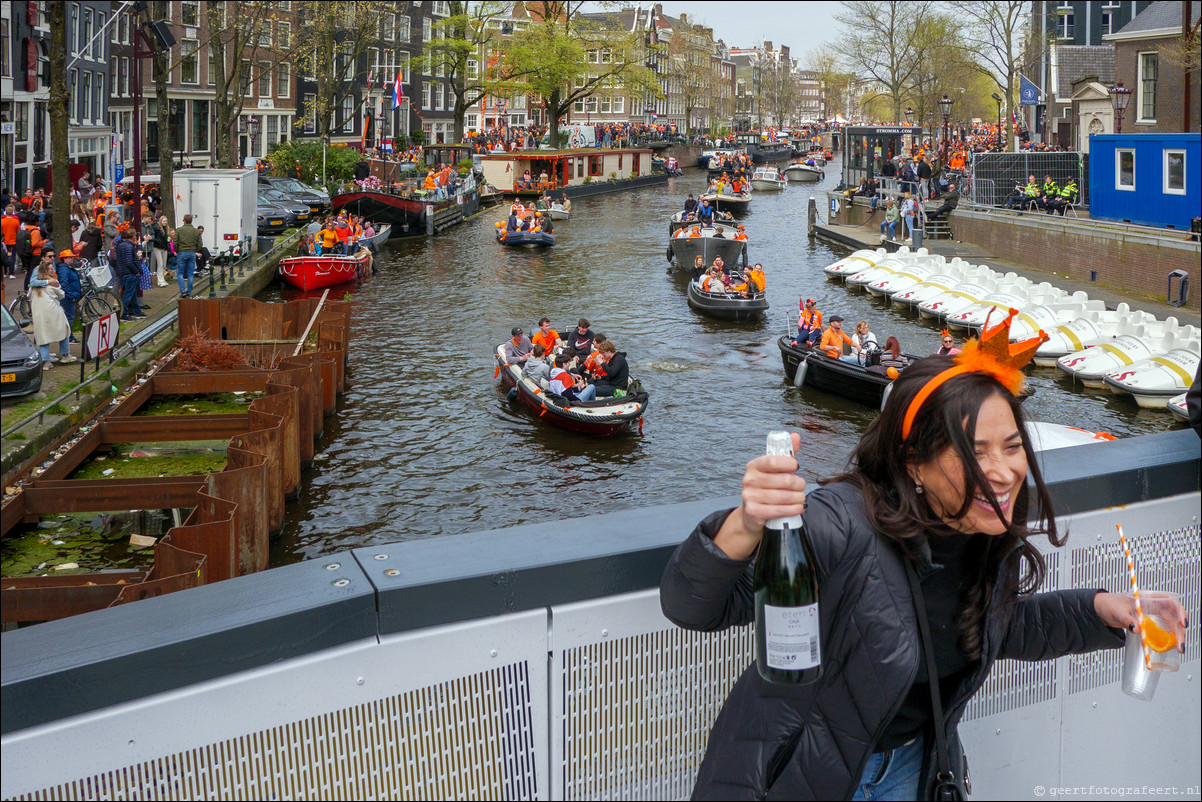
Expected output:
(223, 201)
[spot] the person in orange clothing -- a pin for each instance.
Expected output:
(809, 323)
(546, 336)
(328, 236)
(834, 338)
(10, 224)
(753, 282)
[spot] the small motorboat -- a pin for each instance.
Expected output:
(718, 240)
(803, 173)
(379, 238)
(604, 416)
(560, 211)
(727, 305)
(329, 270)
(681, 220)
(533, 238)
(767, 179)
(811, 368)
(1179, 408)
(1155, 381)
(725, 202)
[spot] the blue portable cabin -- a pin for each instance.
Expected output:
(1150, 179)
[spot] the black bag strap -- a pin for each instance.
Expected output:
(946, 787)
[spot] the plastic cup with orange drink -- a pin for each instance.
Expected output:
(1152, 651)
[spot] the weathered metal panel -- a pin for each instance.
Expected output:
(245, 483)
(156, 428)
(208, 531)
(45, 598)
(48, 497)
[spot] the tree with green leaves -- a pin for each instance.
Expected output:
(552, 54)
(879, 42)
(690, 74)
(333, 42)
(996, 37)
(470, 50)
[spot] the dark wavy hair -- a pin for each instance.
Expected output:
(948, 419)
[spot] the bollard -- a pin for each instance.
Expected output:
(227, 263)
(813, 217)
(213, 272)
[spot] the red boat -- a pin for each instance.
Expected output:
(604, 416)
(316, 272)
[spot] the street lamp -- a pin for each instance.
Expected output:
(252, 128)
(945, 108)
(998, 98)
(909, 115)
(1120, 96)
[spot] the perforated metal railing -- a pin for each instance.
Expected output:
(602, 699)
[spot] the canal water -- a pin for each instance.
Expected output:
(426, 444)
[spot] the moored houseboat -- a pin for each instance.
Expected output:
(570, 173)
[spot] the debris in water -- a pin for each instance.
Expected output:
(65, 566)
(142, 541)
(108, 471)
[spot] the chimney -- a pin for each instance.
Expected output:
(767, 45)
(684, 18)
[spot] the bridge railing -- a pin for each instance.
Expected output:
(528, 663)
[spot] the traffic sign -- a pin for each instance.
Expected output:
(100, 336)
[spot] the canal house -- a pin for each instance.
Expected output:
(563, 168)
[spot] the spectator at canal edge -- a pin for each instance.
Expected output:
(950, 201)
(129, 272)
(50, 325)
(69, 283)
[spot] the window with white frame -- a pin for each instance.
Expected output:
(619, 105)
(473, 68)
(85, 35)
(402, 28)
(606, 105)
(273, 131)
(85, 106)
(264, 79)
(1124, 169)
(189, 72)
(98, 97)
(1065, 23)
(441, 8)
(1149, 73)
(73, 82)
(283, 79)
(425, 29)
(591, 106)
(578, 106)
(113, 71)
(1174, 172)
(426, 96)
(265, 33)
(285, 5)
(593, 56)
(126, 77)
(1110, 10)
(388, 27)
(283, 35)
(190, 13)
(471, 121)
(607, 57)
(439, 96)
(98, 47)
(348, 113)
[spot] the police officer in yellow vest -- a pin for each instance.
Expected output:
(1067, 195)
(1048, 193)
(1027, 197)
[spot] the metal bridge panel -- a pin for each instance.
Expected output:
(634, 697)
(453, 713)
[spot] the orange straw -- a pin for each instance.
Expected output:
(1135, 591)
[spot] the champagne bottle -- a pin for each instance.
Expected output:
(787, 638)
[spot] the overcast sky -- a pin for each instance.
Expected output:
(802, 26)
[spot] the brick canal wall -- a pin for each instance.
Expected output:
(1131, 261)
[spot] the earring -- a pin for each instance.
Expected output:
(918, 488)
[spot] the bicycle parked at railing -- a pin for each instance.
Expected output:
(97, 301)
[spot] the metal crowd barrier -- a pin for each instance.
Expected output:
(525, 665)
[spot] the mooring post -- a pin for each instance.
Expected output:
(813, 217)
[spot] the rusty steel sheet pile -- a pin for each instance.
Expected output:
(234, 510)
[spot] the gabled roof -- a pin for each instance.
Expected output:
(1159, 19)
(1078, 61)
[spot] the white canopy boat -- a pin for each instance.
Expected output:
(1179, 408)
(1093, 365)
(767, 179)
(708, 242)
(1156, 380)
(958, 298)
(731, 202)
(1086, 330)
(850, 265)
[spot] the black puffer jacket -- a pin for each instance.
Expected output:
(813, 741)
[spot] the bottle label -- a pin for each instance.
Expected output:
(791, 637)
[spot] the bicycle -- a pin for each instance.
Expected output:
(96, 302)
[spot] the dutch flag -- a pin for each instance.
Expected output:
(396, 91)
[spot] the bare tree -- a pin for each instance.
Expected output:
(996, 36)
(60, 209)
(689, 70)
(780, 93)
(879, 42)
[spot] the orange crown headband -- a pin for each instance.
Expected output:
(992, 354)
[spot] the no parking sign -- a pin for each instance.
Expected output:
(100, 336)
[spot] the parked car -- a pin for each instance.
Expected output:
(270, 217)
(318, 200)
(20, 362)
(298, 212)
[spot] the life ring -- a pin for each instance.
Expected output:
(799, 378)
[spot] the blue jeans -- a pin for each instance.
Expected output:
(892, 774)
(812, 336)
(68, 305)
(892, 228)
(129, 295)
(185, 268)
(64, 349)
(587, 394)
(911, 222)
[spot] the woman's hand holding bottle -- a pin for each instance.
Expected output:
(771, 489)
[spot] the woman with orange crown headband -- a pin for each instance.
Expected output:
(926, 574)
